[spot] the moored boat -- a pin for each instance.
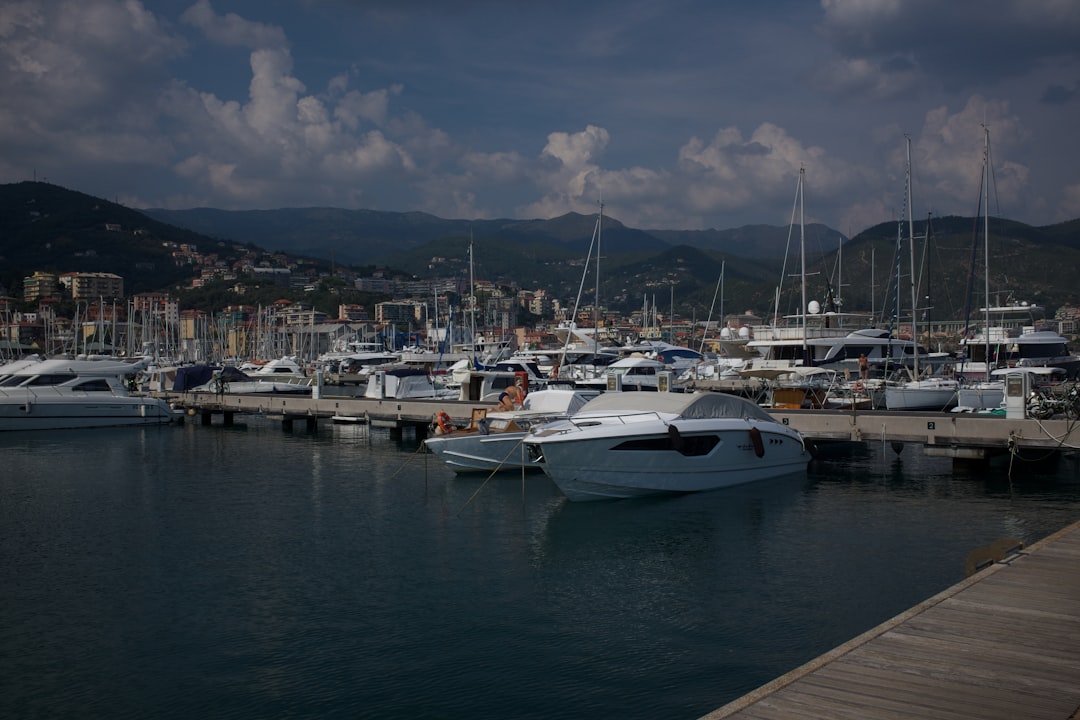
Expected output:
(623, 445)
(494, 441)
(61, 394)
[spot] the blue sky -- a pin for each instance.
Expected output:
(680, 114)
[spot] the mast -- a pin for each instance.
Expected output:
(986, 240)
(911, 248)
(472, 293)
(596, 302)
(802, 273)
(719, 286)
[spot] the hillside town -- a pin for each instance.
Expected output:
(422, 314)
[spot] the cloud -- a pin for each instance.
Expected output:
(887, 46)
(232, 30)
(1070, 202)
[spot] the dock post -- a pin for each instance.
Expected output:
(229, 418)
(312, 423)
(207, 416)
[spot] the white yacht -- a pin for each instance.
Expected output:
(494, 441)
(85, 392)
(1015, 340)
(630, 373)
(623, 445)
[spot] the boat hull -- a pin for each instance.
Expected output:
(65, 414)
(475, 452)
(611, 467)
(919, 396)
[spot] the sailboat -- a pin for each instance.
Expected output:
(1015, 343)
(920, 393)
(820, 337)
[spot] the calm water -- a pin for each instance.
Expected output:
(249, 573)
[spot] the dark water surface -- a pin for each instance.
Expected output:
(209, 572)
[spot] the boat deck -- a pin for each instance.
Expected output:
(1004, 643)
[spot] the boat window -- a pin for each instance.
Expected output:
(689, 445)
(94, 385)
(51, 379)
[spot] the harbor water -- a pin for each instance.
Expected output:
(249, 572)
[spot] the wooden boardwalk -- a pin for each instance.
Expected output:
(1004, 643)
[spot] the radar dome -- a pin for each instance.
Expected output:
(813, 307)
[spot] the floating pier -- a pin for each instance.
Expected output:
(1002, 644)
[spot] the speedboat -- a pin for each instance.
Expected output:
(623, 445)
(60, 394)
(493, 441)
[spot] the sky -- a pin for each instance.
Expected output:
(681, 114)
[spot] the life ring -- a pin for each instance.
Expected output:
(442, 420)
(759, 444)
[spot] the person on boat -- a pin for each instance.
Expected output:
(511, 398)
(864, 367)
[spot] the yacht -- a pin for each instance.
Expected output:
(623, 445)
(282, 375)
(1013, 343)
(84, 392)
(494, 440)
(630, 373)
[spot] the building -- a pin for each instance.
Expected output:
(40, 285)
(93, 286)
(396, 312)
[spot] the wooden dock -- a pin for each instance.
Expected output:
(1004, 643)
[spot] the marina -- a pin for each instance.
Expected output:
(241, 572)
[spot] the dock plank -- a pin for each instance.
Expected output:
(1004, 643)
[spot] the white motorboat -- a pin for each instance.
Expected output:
(624, 445)
(282, 375)
(402, 382)
(630, 373)
(60, 394)
(493, 442)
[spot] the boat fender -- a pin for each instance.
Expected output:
(677, 441)
(759, 444)
(445, 425)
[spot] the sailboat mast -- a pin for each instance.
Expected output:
(708, 321)
(596, 302)
(986, 240)
(802, 273)
(472, 293)
(911, 248)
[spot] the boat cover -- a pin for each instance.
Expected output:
(692, 406)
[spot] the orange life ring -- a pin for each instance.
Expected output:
(446, 426)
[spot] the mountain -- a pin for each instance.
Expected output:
(45, 227)
(753, 241)
(48, 228)
(372, 236)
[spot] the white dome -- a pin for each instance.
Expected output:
(814, 307)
